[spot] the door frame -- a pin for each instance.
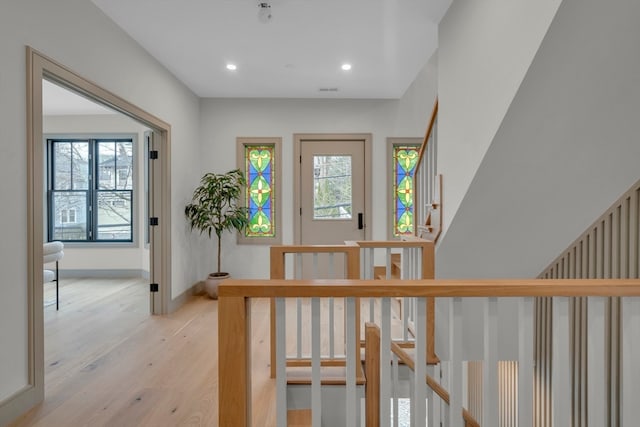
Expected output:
(329, 138)
(38, 67)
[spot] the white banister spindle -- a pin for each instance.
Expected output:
(490, 368)
(406, 301)
(299, 328)
(395, 388)
(455, 364)
(525, 362)
(596, 368)
(630, 369)
(372, 301)
(561, 376)
(316, 387)
(298, 276)
(433, 406)
(281, 363)
(315, 265)
(372, 263)
(353, 357)
(385, 351)
(332, 333)
(420, 372)
(388, 264)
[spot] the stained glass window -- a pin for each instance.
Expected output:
(405, 159)
(260, 192)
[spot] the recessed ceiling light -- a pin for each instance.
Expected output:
(346, 67)
(232, 67)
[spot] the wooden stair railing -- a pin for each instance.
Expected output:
(277, 272)
(469, 420)
(234, 332)
(429, 222)
(354, 254)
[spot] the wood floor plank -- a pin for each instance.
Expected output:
(109, 363)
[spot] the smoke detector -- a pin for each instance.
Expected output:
(264, 12)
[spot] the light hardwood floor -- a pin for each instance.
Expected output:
(109, 363)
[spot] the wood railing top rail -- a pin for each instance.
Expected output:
(311, 248)
(427, 135)
(430, 288)
(412, 242)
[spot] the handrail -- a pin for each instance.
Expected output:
(427, 135)
(430, 288)
(402, 354)
(234, 313)
(431, 219)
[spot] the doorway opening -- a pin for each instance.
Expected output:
(40, 68)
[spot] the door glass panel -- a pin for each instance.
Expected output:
(332, 187)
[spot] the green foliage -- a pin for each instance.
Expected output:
(214, 205)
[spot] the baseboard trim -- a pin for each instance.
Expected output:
(103, 273)
(180, 300)
(18, 404)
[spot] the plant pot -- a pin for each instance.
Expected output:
(212, 282)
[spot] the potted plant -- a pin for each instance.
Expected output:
(214, 207)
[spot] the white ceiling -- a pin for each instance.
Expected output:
(294, 55)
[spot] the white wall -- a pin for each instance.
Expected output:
(77, 34)
(566, 150)
(222, 120)
(485, 49)
(119, 257)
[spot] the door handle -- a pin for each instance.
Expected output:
(360, 221)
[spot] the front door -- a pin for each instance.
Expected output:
(332, 190)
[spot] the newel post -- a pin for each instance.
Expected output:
(234, 362)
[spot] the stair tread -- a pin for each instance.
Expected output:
(329, 375)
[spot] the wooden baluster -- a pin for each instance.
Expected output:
(372, 365)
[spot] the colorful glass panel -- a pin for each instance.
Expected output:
(259, 167)
(405, 159)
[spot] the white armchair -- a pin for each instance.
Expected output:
(52, 252)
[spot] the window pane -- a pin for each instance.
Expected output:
(106, 166)
(332, 187)
(69, 215)
(114, 215)
(71, 163)
(259, 167)
(405, 159)
(124, 165)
